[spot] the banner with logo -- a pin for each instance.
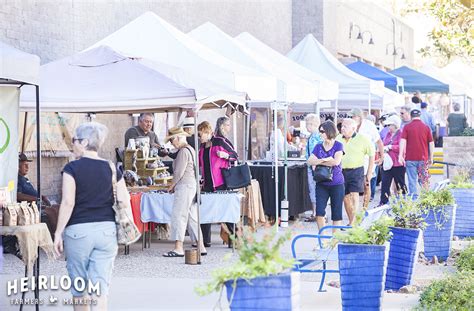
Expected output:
(9, 107)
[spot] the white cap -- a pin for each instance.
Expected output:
(393, 120)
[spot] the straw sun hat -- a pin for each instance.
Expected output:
(175, 132)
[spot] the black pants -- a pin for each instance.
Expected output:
(206, 233)
(395, 173)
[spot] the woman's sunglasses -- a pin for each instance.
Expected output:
(74, 139)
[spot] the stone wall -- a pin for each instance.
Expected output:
(459, 150)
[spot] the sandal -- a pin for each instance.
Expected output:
(172, 254)
(310, 219)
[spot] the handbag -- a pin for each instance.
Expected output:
(236, 177)
(387, 162)
(322, 173)
(127, 231)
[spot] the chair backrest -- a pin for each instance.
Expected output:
(440, 185)
(373, 215)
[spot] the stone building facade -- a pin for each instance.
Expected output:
(54, 29)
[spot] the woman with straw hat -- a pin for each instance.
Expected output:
(184, 187)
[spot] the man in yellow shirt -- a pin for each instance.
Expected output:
(356, 147)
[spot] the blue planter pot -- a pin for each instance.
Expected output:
(437, 241)
(276, 292)
(464, 223)
(361, 269)
(401, 257)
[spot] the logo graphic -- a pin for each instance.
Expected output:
(53, 300)
(7, 141)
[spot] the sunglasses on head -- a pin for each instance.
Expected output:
(322, 131)
(74, 139)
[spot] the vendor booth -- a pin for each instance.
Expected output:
(416, 81)
(18, 71)
(354, 89)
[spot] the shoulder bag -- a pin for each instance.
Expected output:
(237, 176)
(127, 231)
(322, 173)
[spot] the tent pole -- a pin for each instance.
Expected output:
(336, 111)
(24, 133)
(38, 182)
(275, 162)
(370, 101)
(198, 187)
(234, 130)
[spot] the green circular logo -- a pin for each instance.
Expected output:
(7, 141)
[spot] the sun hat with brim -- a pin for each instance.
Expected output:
(355, 112)
(395, 120)
(175, 132)
(188, 122)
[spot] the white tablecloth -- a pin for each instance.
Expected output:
(215, 207)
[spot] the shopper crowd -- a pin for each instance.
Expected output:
(397, 155)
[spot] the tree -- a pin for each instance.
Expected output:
(454, 33)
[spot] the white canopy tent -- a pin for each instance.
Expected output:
(101, 80)
(152, 38)
(354, 89)
(17, 65)
(207, 91)
(17, 69)
(293, 88)
(328, 89)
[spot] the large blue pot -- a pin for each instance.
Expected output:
(264, 293)
(464, 223)
(401, 257)
(361, 269)
(437, 241)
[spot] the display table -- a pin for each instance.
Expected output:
(30, 238)
(298, 191)
(215, 207)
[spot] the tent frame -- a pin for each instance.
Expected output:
(36, 267)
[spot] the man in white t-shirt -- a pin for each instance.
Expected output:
(367, 128)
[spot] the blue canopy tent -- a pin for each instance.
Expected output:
(417, 81)
(391, 81)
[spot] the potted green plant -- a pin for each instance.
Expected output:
(260, 278)
(408, 220)
(438, 208)
(361, 256)
(462, 189)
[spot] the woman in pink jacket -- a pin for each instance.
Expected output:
(215, 153)
(392, 148)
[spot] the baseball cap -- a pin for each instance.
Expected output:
(415, 112)
(356, 112)
(22, 158)
(393, 120)
(423, 105)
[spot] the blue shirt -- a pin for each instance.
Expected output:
(24, 186)
(313, 140)
(94, 194)
(428, 119)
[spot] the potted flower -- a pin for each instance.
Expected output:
(438, 209)
(361, 255)
(260, 278)
(408, 220)
(462, 189)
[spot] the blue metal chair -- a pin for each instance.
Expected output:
(325, 252)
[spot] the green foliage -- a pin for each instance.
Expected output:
(435, 199)
(452, 293)
(461, 181)
(378, 233)
(453, 34)
(465, 261)
(256, 258)
(406, 213)
(469, 131)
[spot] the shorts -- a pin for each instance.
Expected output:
(354, 180)
(323, 193)
(90, 250)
